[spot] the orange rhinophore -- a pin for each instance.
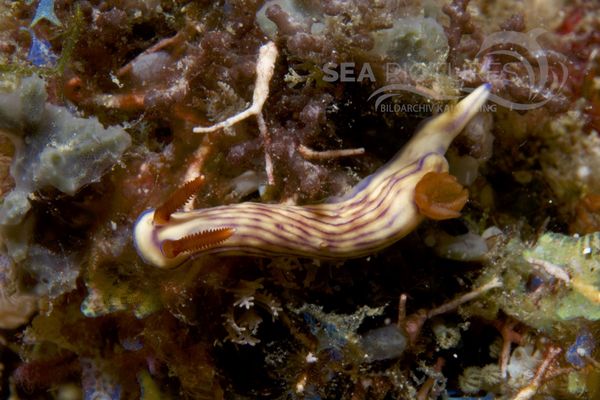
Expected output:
(439, 196)
(197, 241)
(177, 199)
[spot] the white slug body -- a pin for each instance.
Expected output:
(374, 214)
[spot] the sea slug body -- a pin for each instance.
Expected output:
(377, 212)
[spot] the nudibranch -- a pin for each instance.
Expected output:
(377, 212)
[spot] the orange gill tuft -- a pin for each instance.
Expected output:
(439, 196)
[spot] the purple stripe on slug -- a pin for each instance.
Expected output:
(263, 215)
(265, 218)
(296, 239)
(357, 203)
(297, 223)
(268, 211)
